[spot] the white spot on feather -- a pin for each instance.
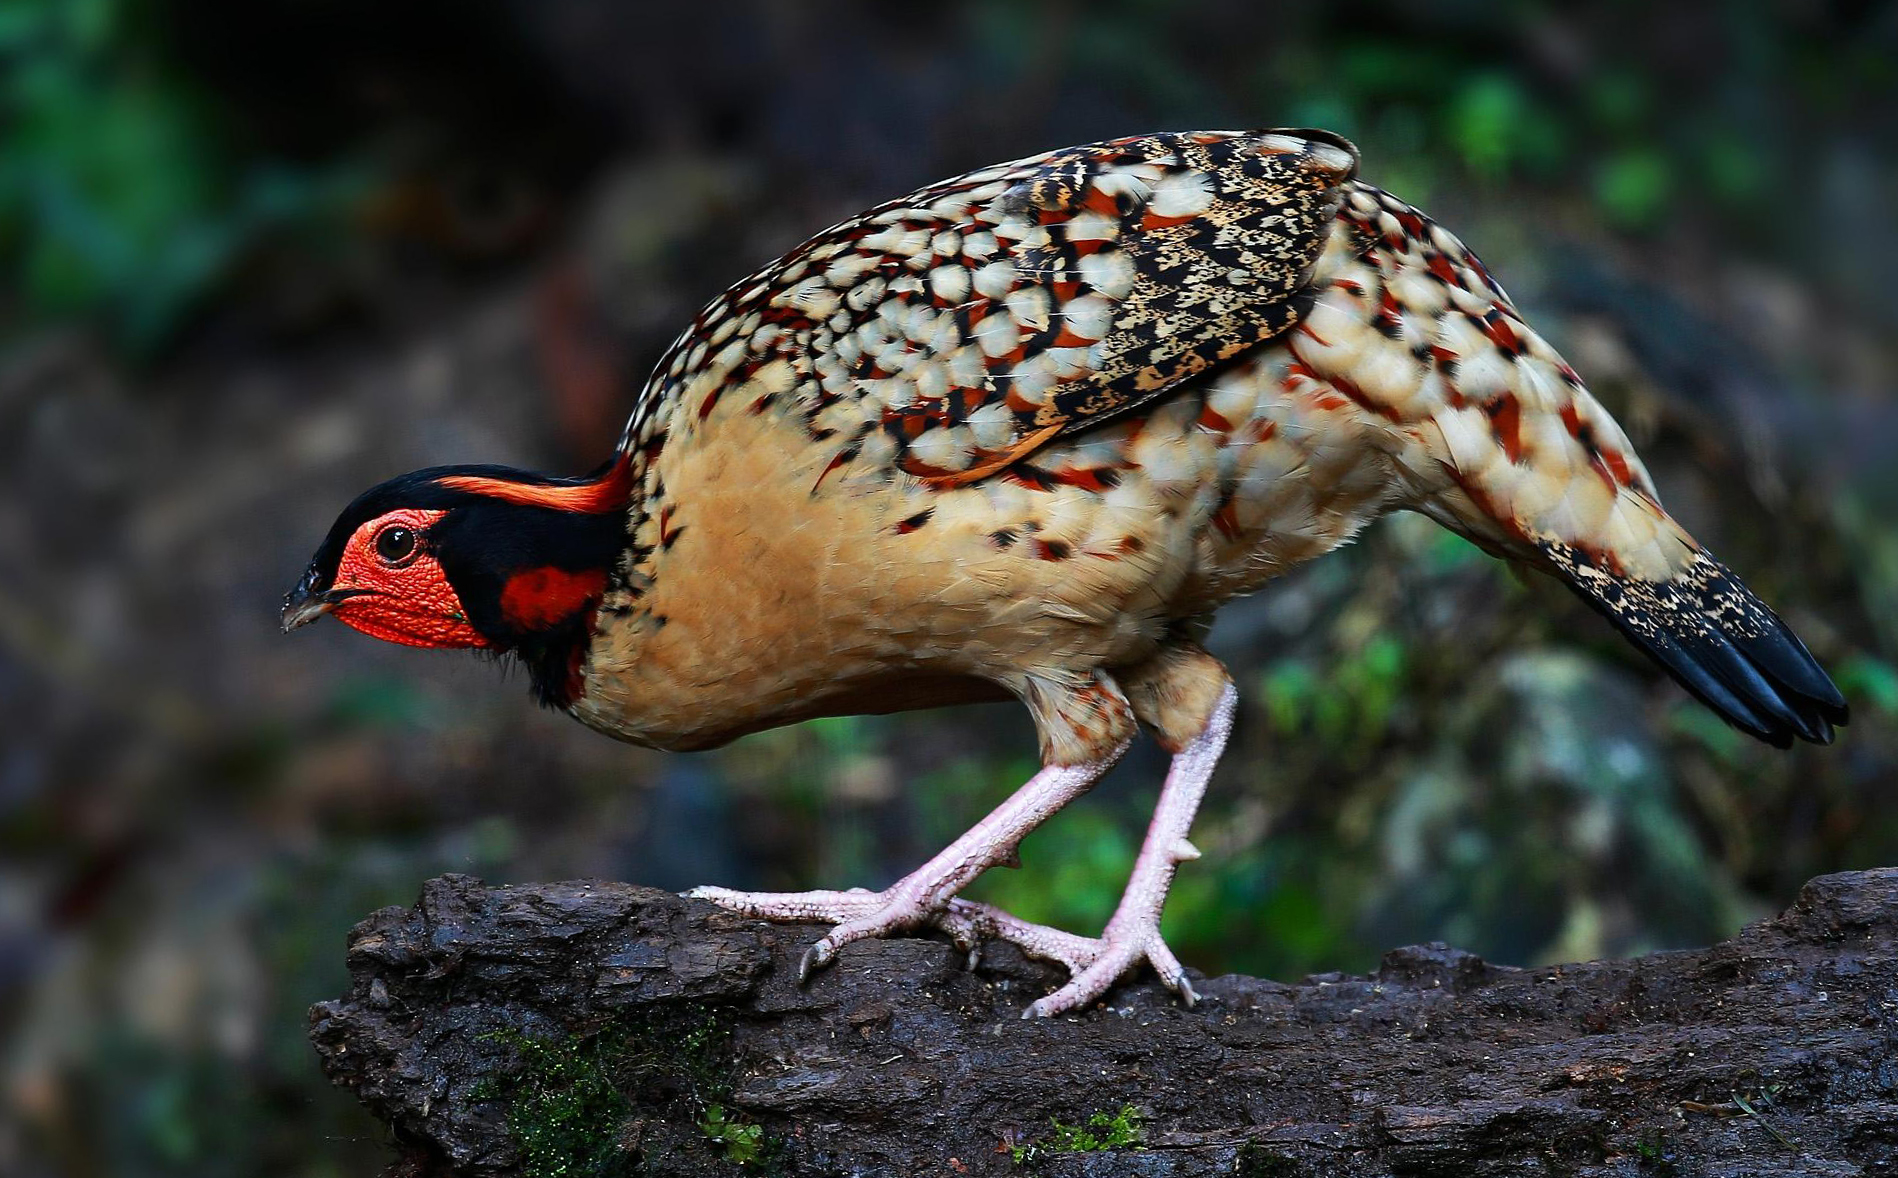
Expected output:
(931, 380)
(1089, 316)
(997, 335)
(995, 279)
(898, 240)
(992, 425)
(966, 367)
(1110, 272)
(813, 296)
(949, 283)
(1030, 305)
(945, 449)
(846, 270)
(1091, 226)
(1183, 194)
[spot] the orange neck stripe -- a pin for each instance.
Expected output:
(610, 492)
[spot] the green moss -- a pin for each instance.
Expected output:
(598, 1103)
(1654, 1154)
(1101, 1131)
(564, 1110)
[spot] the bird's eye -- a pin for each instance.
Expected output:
(395, 544)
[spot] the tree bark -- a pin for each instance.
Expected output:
(600, 1028)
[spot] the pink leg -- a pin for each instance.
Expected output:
(922, 896)
(1133, 932)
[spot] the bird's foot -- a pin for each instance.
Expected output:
(923, 896)
(858, 915)
(1094, 963)
(1133, 932)
(1115, 953)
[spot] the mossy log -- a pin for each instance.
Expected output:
(599, 1028)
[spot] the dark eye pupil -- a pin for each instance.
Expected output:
(394, 544)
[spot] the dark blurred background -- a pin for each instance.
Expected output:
(257, 256)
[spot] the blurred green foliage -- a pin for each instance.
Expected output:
(123, 197)
(1593, 100)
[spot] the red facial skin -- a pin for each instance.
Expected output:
(409, 601)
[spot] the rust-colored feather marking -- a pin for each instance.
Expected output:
(611, 491)
(990, 465)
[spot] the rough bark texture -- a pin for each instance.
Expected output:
(583, 1028)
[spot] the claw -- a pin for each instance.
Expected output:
(814, 958)
(1133, 933)
(927, 896)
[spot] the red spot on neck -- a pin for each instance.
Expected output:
(539, 599)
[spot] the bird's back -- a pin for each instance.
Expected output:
(1039, 417)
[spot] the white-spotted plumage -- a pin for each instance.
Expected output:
(1020, 433)
(1047, 496)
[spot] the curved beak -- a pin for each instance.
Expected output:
(305, 603)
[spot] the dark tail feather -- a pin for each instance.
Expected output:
(1719, 642)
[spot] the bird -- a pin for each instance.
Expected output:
(1018, 435)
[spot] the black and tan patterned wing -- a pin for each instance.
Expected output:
(952, 332)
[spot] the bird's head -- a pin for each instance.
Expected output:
(480, 557)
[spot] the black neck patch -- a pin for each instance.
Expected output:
(531, 579)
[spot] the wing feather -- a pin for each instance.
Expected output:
(975, 320)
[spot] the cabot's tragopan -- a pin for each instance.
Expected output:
(1019, 434)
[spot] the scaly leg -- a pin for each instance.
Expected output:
(1133, 932)
(921, 896)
